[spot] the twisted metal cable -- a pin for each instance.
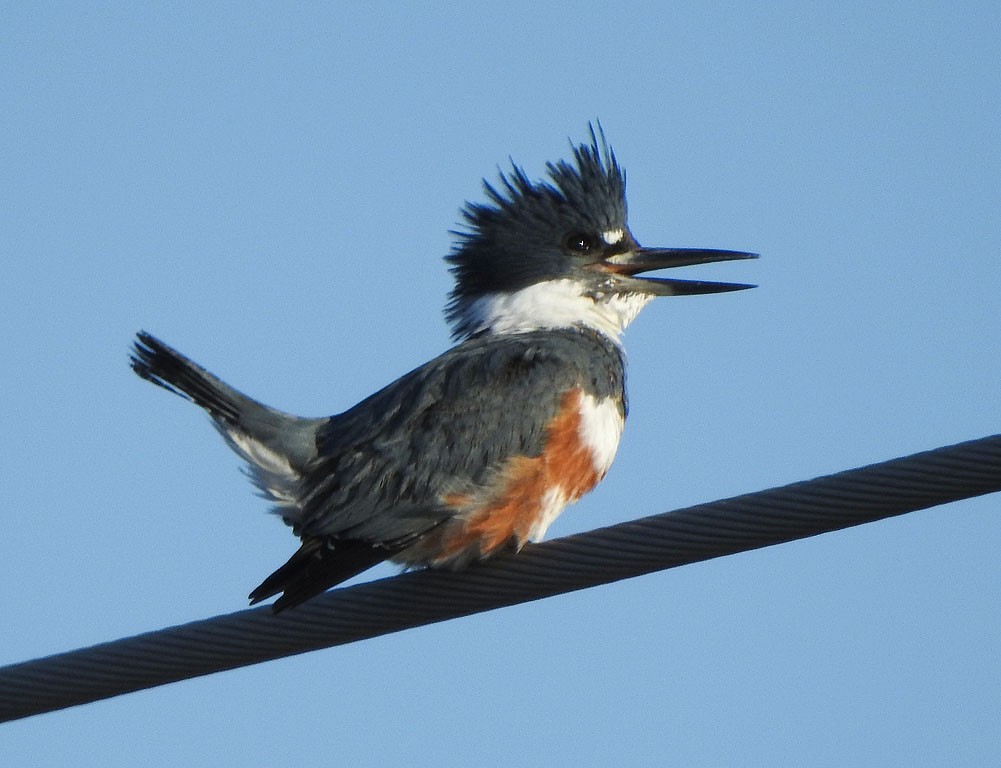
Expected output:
(601, 556)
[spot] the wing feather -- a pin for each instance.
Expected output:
(385, 466)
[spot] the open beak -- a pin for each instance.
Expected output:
(638, 260)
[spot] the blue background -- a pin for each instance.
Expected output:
(269, 187)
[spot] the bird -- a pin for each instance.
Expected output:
(477, 451)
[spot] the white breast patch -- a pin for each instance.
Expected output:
(600, 428)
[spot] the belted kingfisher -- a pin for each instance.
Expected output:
(478, 450)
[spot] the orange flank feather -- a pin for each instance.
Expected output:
(529, 491)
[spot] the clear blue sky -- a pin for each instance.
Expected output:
(269, 188)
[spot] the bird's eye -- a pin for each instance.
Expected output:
(580, 242)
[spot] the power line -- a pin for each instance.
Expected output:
(576, 562)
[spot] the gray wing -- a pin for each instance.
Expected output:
(384, 466)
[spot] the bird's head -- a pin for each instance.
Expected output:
(559, 253)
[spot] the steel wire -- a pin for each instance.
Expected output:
(589, 559)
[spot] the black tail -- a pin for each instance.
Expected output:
(318, 565)
(166, 367)
(276, 445)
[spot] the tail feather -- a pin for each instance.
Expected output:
(275, 445)
(320, 563)
(166, 367)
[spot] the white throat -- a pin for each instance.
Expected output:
(554, 304)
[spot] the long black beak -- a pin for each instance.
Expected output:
(641, 260)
